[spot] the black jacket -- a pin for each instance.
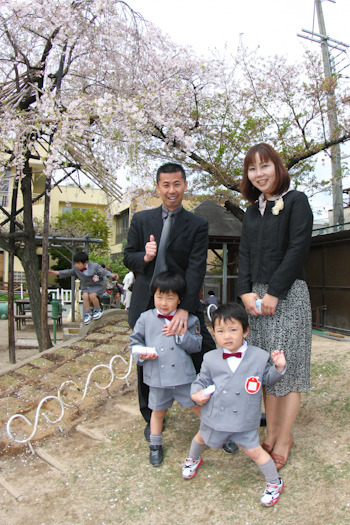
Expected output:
(186, 255)
(273, 248)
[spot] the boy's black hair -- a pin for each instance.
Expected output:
(211, 292)
(228, 311)
(81, 257)
(169, 282)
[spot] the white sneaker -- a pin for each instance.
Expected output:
(190, 467)
(97, 314)
(272, 493)
(87, 318)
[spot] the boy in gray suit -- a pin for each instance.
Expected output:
(93, 284)
(229, 386)
(165, 356)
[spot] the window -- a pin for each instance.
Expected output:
(69, 209)
(4, 190)
(19, 277)
(122, 225)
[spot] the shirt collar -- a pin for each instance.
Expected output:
(242, 349)
(165, 211)
(262, 201)
(171, 313)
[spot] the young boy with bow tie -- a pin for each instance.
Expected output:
(92, 281)
(229, 389)
(165, 356)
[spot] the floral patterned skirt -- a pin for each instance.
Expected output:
(290, 330)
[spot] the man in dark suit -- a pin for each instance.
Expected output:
(186, 254)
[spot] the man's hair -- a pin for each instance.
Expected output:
(169, 282)
(211, 292)
(80, 257)
(266, 153)
(171, 167)
(229, 311)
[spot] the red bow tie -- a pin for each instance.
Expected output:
(169, 317)
(225, 355)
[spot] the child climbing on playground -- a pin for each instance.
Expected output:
(93, 284)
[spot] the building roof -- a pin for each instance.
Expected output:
(222, 224)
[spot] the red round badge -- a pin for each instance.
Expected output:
(252, 385)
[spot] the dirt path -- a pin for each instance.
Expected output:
(111, 482)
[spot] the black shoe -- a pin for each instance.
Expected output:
(230, 447)
(147, 432)
(156, 455)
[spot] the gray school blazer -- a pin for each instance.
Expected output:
(235, 406)
(173, 366)
(92, 280)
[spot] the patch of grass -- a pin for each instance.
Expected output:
(4, 297)
(325, 369)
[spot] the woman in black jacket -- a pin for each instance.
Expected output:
(274, 245)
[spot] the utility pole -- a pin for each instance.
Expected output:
(329, 70)
(337, 185)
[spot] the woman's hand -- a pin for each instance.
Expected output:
(269, 304)
(249, 303)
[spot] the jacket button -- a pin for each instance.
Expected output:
(173, 364)
(234, 410)
(224, 391)
(162, 349)
(161, 366)
(237, 393)
(222, 408)
(172, 348)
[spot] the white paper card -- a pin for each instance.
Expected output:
(208, 391)
(143, 350)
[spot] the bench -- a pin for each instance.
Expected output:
(21, 319)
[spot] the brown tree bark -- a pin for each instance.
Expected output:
(29, 260)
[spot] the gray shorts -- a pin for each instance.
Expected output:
(217, 438)
(163, 398)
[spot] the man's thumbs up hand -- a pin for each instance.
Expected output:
(150, 249)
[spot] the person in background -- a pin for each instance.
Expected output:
(211, 299)
(93, 283)
(274, 244)
(128, 283)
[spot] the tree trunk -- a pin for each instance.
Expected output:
(29, 259)
(11, 320)
(45, 335)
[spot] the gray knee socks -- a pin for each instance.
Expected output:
(196, 449)
(156, 439)
(270, 472)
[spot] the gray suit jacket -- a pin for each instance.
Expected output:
(87, 282)
(173, 365)
(231, 408)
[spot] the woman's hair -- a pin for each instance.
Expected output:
(266, 153)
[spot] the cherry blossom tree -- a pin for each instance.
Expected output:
(87, 86)
(206, 114)
(53, 55)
